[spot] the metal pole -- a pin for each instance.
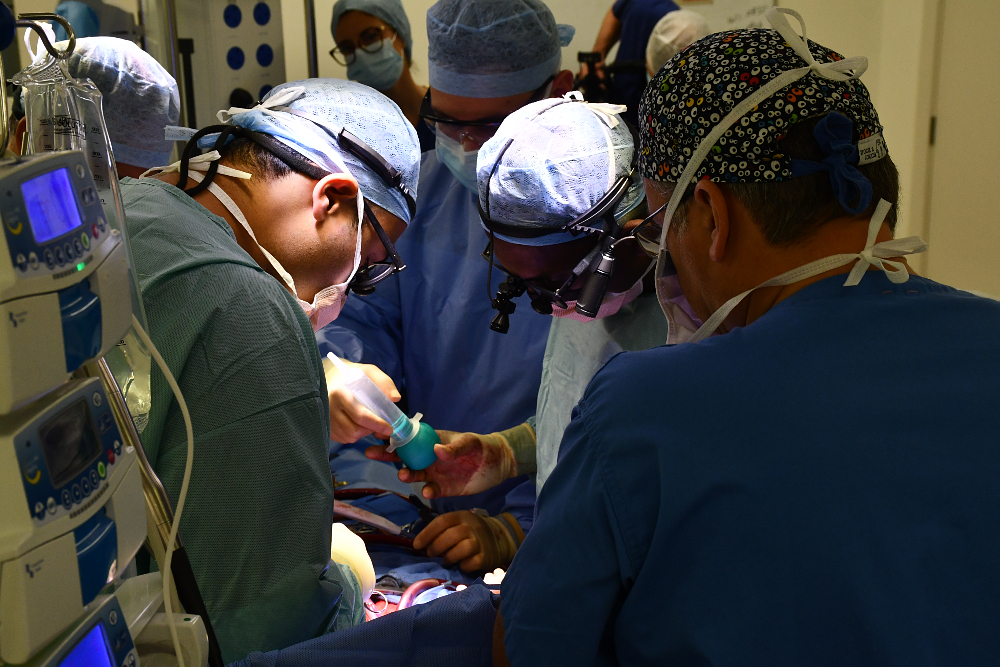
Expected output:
(172, 58)
(311, 56)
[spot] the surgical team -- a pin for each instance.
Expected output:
(690, 395)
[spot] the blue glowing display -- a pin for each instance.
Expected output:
(91, 651)
(51, 205)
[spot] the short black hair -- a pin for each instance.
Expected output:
(789, 212)
(244, 153)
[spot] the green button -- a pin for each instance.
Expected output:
(101, 470)
(85, 239)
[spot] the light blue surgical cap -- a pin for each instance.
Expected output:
(82, 18)
(390, 11)
(140, 98)
(366, 113)
(493, 48)
(563, 157)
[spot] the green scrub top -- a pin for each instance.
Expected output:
(256, 523)
(574, 353)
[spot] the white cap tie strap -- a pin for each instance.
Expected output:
(267, 106)
(199, 163)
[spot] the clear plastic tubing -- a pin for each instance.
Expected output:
(370, 396)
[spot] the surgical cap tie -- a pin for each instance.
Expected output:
(199, 163)
(834, 135)
(608, 113)
(281, 99)
(874, 254)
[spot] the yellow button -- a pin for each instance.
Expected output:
(15, 226)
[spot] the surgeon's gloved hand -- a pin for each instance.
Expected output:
(350, 420)
(477, 543)
(469, 463)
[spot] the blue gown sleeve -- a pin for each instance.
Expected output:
(575, 549)
(520, 503)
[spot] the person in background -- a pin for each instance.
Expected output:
(628, 24)
(428, 327)
(375, 44)
(235, 279)
(554, 168)
(817, 484)
(671, 35)
(140, 98)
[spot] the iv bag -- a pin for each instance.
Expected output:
(63, 113)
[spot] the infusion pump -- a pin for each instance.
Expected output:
(65, 286)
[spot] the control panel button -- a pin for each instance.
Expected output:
(32, 473)
(77, 493)
(51, 505)
(104, 422)
(79, 171)
(60, 256)
(39, 509)
(96, 232)
(101, 470)
(118, 447)
(113, 617)
(78, 246)
(22, 262)
(85, 486)
(85, 240)
(67, 499)
(33, 261)
(50, 260)
(95, 481)
(89, 196)
(102, 224)
(68, 249)
(97, 399)
(15, 226)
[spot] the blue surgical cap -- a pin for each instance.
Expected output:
(563, 157)
(390, 11)
(140, 98)
(493, 48)
(364, 112)
(82, 18)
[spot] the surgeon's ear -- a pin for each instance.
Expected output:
(562, 83)
(710, 202)
(333, 192)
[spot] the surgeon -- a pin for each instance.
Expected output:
(375, 44)
(241, 254)
(140, 99)
(488, 58)
(817, 484)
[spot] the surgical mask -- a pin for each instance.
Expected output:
(329, 301)
(682, 322)
(612, 303)
(460, 162)
(380, 70)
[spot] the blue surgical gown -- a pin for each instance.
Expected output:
(256, 524)
(428, 327)
(817, 488)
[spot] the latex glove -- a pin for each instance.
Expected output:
(477, 543)
(350, 420)
(469, 463)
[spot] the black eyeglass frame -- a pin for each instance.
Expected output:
(428, 113)
(348, 58)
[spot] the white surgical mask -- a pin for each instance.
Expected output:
(460, 162)
(612, 303)
(682, 322)
(329, 301)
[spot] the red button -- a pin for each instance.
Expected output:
(111, 457)
(93, 228)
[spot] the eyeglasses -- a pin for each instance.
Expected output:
(368, 276)
(370, 40)
(476, 132)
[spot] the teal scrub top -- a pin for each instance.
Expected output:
(256, 524)
(574, 353)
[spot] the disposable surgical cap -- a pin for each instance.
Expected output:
(140, 98)
(493, 48)
(671, 34)
(364, 112)
(563, 157)
(390, 11)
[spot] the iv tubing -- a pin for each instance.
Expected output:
(184, 484)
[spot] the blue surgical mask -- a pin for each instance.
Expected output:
(380, 70)
(460, 162)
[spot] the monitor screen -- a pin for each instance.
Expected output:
(69, 442)
(90, 651)
(51, 205)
